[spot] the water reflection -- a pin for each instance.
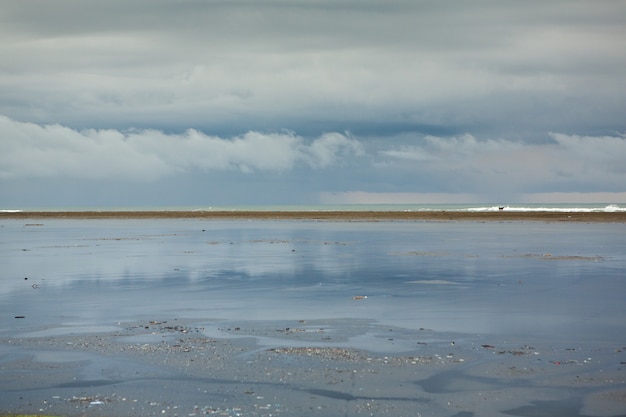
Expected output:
(564, 280)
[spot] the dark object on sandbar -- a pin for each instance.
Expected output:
(20, 317)
(501, 208)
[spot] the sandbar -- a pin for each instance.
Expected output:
(443, 215)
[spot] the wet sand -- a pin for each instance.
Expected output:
(304, 368)
(545, 216)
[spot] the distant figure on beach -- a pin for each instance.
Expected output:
(501, 208)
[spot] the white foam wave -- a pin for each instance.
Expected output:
(611, 208)
(10, 211)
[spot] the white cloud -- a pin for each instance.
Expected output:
(31, 150)
(595, 153)
(503, 166)
(427, 167)
(328, 148)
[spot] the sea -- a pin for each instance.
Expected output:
(483, 207)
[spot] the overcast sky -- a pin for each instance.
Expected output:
(209, 103)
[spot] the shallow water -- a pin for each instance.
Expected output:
(514, 318)
(553, 280)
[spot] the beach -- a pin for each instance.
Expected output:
(313, 314)
(435, 215)
(174, 368)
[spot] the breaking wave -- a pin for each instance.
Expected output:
(611, 208)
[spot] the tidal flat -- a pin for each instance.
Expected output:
(269, 317)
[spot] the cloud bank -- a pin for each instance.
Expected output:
(31, 150)
(316, 66)
(460, 165)
(568, 163)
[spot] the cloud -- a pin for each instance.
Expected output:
(604, 154)
(410, 168)
(466, 164)
(331, 147)
(32, 150)
(327, 65)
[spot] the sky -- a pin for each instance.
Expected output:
(217, 103)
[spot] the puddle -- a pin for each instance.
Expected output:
(63, 331)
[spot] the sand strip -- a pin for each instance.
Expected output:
(543, 216)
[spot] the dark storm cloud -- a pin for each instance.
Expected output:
(278, 64)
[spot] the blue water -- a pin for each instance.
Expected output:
(563, 207)
(524, 279)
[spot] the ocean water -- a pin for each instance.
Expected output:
(484, 207)
(526, 279)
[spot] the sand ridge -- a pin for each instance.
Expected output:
(544, 216)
